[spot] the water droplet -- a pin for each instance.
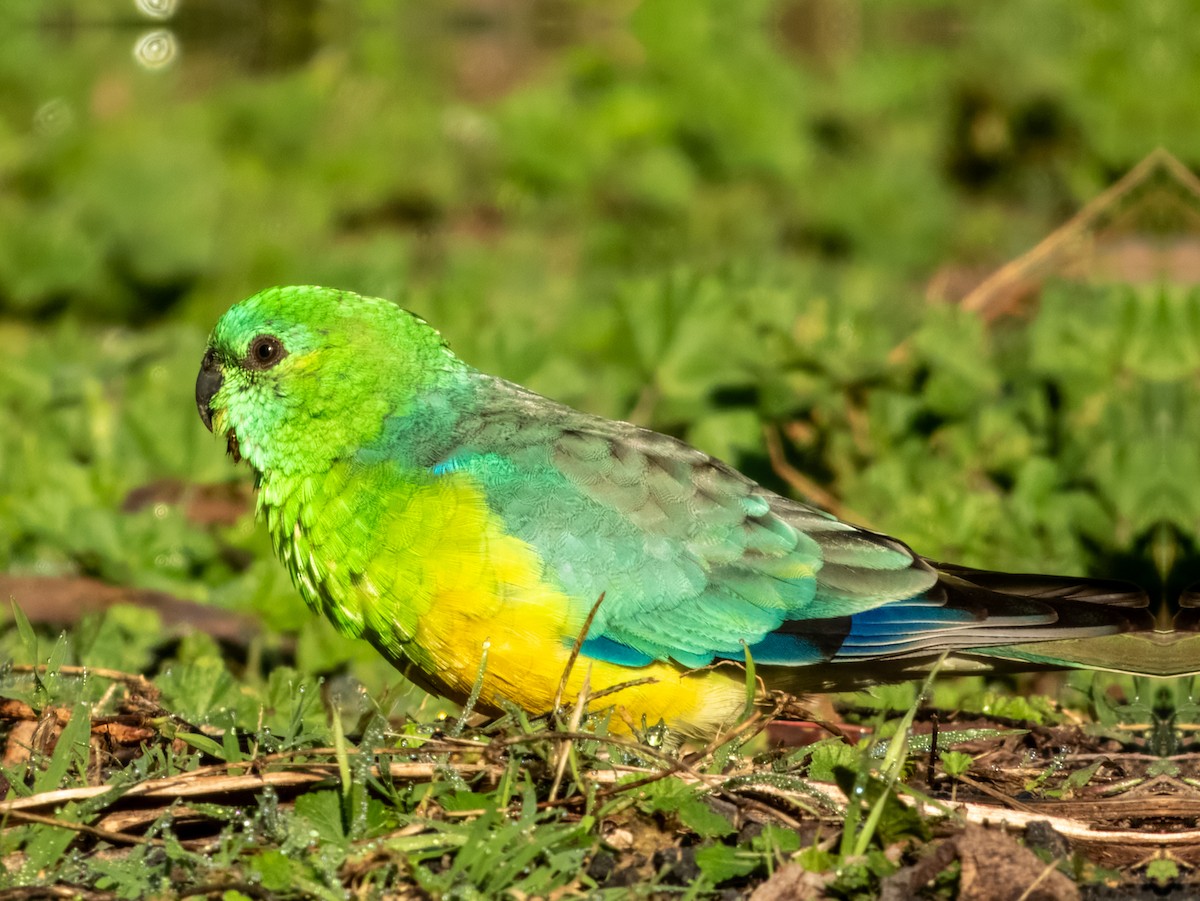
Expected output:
(155, 49)
(53, 118)
(157, 9)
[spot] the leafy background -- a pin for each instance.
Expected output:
(703, 219)
(737, 223)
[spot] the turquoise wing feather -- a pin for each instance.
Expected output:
(695, 560)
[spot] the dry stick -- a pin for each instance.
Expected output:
(125, 820)
(671, 766)
(133, 680)
(981, 298)
(757, 719)
(446, 745)
(992, 793)
(205, 780)
(575, 649)
(1050, 868)
(41, 892)
(190, 787)
(200, 782)
(117, 838)
(802, 483)
(564, 750)
(613, 689)
(777, 700)
(787, 820)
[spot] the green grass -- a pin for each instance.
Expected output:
(383, 808)
(208, 775)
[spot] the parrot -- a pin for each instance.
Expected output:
(494, 543)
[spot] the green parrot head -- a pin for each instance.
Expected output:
(298, 377)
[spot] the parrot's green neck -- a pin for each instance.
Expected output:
(327, 522)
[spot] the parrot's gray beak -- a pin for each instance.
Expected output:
(207, 384)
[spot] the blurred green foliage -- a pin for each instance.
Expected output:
(486, 157)
(704, 218)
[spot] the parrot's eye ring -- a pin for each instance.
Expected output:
(265, 351)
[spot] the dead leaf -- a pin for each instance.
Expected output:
(995, 867)
(792, 881)
(61, 601)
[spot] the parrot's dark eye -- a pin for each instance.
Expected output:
(265, 352)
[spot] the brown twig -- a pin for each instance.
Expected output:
(575, 649)
(137, 682)
(799, 482)
(39, 892)
(564, 750)
(189, 786)
(1004, 799)
(116, 838)
(982, 299)
(613, 689)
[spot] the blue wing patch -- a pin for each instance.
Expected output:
(603, 648)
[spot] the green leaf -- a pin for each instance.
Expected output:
(703, 820)
(1162, 871)
(955, 763)
(202, 743)
(468, 800)
(827, 756)
(1079, 778)
(70, 751)
(45, 847)
(29, 639)
(674, 796)
(720, 863)
(776, 840)
(896, 821)
(275, 870)
(322, 810)
(751, 682)
(195, 689)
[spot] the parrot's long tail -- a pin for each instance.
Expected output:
(982, 622)
(1107, 592)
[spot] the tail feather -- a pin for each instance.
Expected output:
(984, 620)
(1108, 592)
